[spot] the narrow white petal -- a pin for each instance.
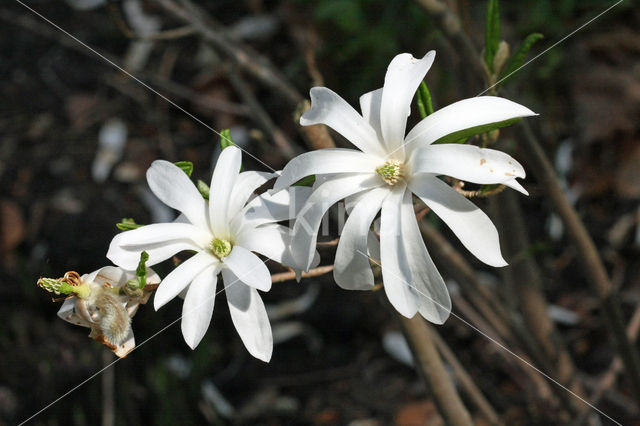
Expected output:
(466, 162)
(129, 257)
(197, 308)
(305, 230)
(400, 84)
(222, 183)
(514, 184)
(162, 233)
(396, 273)
(329, 108)
(373, 244)
(463, 115)
(249, 268)
(246, 184)
(370, 107)
(275, 207)
(180, 277)
(272, 241)
(434, 303)
(323, 161)
(249, 316)
(174, 188)
(474, 228)
(352, 270)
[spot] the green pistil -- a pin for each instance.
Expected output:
(220, 248)
(61, 287)
(391, 171)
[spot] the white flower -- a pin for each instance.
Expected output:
(383, 174)
(105, 307)
(223, 232)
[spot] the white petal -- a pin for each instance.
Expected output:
(434, 303)
(197, 308)
(373, 245)
(174, 188)
(466, 162)
(396, 273)
(400, 84)
(180, 277)
(249, 316)
(249, 268)
(514, 184)
(305, 230)
(222, 183)
(129, 257)
(474, 228)
(463, 115)
(111, 275)
(246, 184)
(330, 109)
(162, 233)
(274, 207)
(272, 241)
(370, 107)
(352, 270)
(322, 161)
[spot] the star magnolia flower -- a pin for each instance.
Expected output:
(223, 233)
(103, 307)
(383, 174)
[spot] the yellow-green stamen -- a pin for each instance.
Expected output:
(220, 248)
(391, 171)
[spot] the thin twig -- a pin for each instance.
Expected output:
(464, 274)
(248, 59)
(588, 254)
(525, 277)
(288, 276)
(287, 148)
(466, 381)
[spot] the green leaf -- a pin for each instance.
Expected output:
(141, 270)
(127, 224)
(225, 138)
(306, 181)
(517, 59)
(203, 188)
(460, 136)
(425, 104)
(186, 166)
(491, 33)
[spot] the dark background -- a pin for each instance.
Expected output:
(56, 96)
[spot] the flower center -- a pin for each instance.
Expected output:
(391, 171)
(220, 248)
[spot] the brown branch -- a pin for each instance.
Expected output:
(288, 276)
(588, 254)
(465, 380)
(525, 278)
(449, 23)
(287, 148)
(429, 363)
(252, 62)
(464, 274)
